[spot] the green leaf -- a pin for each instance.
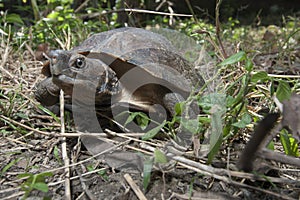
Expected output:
(249, 65)
(192, 125)
(45, 174)
(147, 173)
(290, 144)
(271, 145)
(9, 165)
(159, 157)
(41, 187)
(283, 91)
(245, 120)
(179, 108)
(47, 111)
(53, 15)
(22, 115)
(25, 175)
(14, 18)
(240, 56)
(56, 155)
(208, 101)
(130, 118)
(152, 133)
(142, 120)
(216, 134)
(259, 76)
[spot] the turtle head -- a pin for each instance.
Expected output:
(73, 71)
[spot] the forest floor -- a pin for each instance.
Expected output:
(32, 148)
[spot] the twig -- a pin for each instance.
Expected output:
(134, 187)
(279, 157)
(218, 4)
(229, 181)
(93, 15)
(81, 6)
(64, 149)
(283, 76)
(211, 171)
(191, 10)
(4, 59)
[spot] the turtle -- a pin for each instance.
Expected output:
(129, 66)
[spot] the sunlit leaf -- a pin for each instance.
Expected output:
(147, 173)
(216, 134)
(159, 157)
(179, 108)
(249, 65)
(41, 187)
(152, 133)
(283, 91)
(240, 56)
(290, 144)
(192, 125)
(243, 122)
(259, 76)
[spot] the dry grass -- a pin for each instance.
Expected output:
(30, 138)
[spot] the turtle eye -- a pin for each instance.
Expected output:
(79, 63)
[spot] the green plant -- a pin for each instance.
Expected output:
(102, 173)
(34, 182)
(9, 165)
(290, 144)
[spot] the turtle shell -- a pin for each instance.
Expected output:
(139, 59)
(127, 48)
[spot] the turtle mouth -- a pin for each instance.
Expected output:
(64, 82)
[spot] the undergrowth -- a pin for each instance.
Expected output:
(245, 96)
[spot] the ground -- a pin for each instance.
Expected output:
(30, 143)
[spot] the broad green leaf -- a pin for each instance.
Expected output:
(14, 18)
(249, 65)
(24, 175)
(240, 56)
(147, 173)
(283, 91)
(271, 145)
(208, 101)
(44, 174)
(152, 133)
(245, 120)
(290, 144)
(192, 125)
(159, 157)
(130, 118)
(53, 15)
(216, 134)
(142, 120)
(259, 76)
(41, 187)
(179, 108)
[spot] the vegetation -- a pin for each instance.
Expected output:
(252, 66)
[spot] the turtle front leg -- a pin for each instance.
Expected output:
(47, 93)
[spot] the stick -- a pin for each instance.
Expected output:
(64, 148)
(134, 187)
